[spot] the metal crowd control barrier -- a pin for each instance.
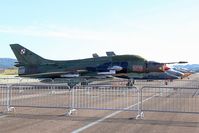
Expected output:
(61, 96)
(105, 98)
(39, 96)
(170, 99)
(162, 98)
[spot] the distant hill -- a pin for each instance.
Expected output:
(191, 67)
(6, 63)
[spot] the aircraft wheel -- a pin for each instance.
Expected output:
(130, 82)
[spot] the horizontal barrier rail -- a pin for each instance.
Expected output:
(142, 83)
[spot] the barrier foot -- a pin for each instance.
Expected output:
(70, 112)
(140, 116)
(10, 109)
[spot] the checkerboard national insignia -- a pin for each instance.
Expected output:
(23, 51)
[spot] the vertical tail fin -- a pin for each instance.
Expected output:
(25, 56)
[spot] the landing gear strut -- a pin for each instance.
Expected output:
(130, 82)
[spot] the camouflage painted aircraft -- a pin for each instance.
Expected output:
(122, 66)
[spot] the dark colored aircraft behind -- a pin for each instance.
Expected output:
(122, 66)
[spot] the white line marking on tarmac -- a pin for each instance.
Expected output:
(106, 117)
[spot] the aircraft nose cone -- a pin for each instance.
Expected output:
(166, 68)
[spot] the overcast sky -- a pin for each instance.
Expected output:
(160, 30)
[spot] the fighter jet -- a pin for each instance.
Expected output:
(186, 73)
(123, 66)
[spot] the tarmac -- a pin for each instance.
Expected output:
(53, 120)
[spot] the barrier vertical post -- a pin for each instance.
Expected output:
(138, 103)
(141, 104)
(72, 103)
(140, 114)
(8, 98)
(73, 98)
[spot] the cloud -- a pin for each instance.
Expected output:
(66, 33)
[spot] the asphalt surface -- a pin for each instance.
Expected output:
(53, 120)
